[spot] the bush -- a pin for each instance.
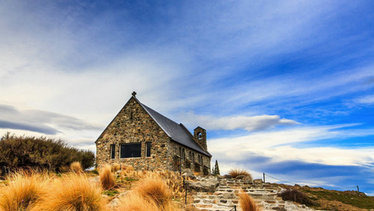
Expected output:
(72, 192)
(25, 152)
(247, 203)
(107, 178)
(76, 167)
(22, 192)
(296, 196)
(237, 173)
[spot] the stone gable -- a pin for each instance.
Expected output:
(133, 124)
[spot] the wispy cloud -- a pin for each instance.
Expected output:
(249, 123)
(365, 99)
(40, 121)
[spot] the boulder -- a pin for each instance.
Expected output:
(208, 184)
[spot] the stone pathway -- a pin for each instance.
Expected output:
(225, 197)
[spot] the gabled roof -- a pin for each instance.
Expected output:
(177, 132)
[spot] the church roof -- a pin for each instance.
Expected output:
(177, 132)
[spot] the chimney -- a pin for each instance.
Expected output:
(200, 137)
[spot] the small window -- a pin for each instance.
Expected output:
(200, 159)
(148, 148)
(112, 151)
(131, 150)
(199, 136)
(193, 157)
(183, 154)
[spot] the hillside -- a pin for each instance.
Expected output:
(335, 200)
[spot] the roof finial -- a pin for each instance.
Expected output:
(134, 94)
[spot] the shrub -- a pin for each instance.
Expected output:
(22, 192)
(236, 173)
(72, 192)
(296, 196)
(76, 167)
(247, 203)
(107, 179)
(154, 190)
(21, 152)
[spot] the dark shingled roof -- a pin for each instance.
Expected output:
(177, 132)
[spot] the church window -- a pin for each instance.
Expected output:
(112, 151)
(148, 148)
(131, 150)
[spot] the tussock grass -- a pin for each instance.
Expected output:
(72, 192)
(76, 167)
(116, 167)
(247, 203)
(155, 191)
(235, 173)
(135, 202)
(107, 179)
(23, 191)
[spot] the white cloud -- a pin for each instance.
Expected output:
(278, 146)
(366, 99)
(249, 123)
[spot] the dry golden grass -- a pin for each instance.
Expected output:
(116, 167)
(155, 190)
(22, 192)
(76, 167)
(247, 203)
(107, 179)
(234, 173)
(135, 202)
(72, 192)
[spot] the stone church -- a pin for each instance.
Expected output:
(147, 140)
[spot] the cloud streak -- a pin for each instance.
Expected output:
(40, 121)
(249, 123)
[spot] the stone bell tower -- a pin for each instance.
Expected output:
(200, 137)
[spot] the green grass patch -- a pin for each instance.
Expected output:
(131, 179)
(110, 192)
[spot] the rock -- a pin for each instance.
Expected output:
(188, 174)
(227, 176)
(257, 181)
(206, 185)
(114, 203)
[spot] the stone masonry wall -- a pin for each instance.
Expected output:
(134, 125)
(174, 151)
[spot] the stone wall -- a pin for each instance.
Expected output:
(187, 161)
(133, 125)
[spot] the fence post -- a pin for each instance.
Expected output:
(263, 176)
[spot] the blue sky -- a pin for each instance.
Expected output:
(285, 88)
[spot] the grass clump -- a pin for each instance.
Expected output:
(135, 202)
(22, 192)
(296, 196)
(107, 179)
(72, 192)
(155, 191)
(238, 173)
(76, 167)
(247, 203)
